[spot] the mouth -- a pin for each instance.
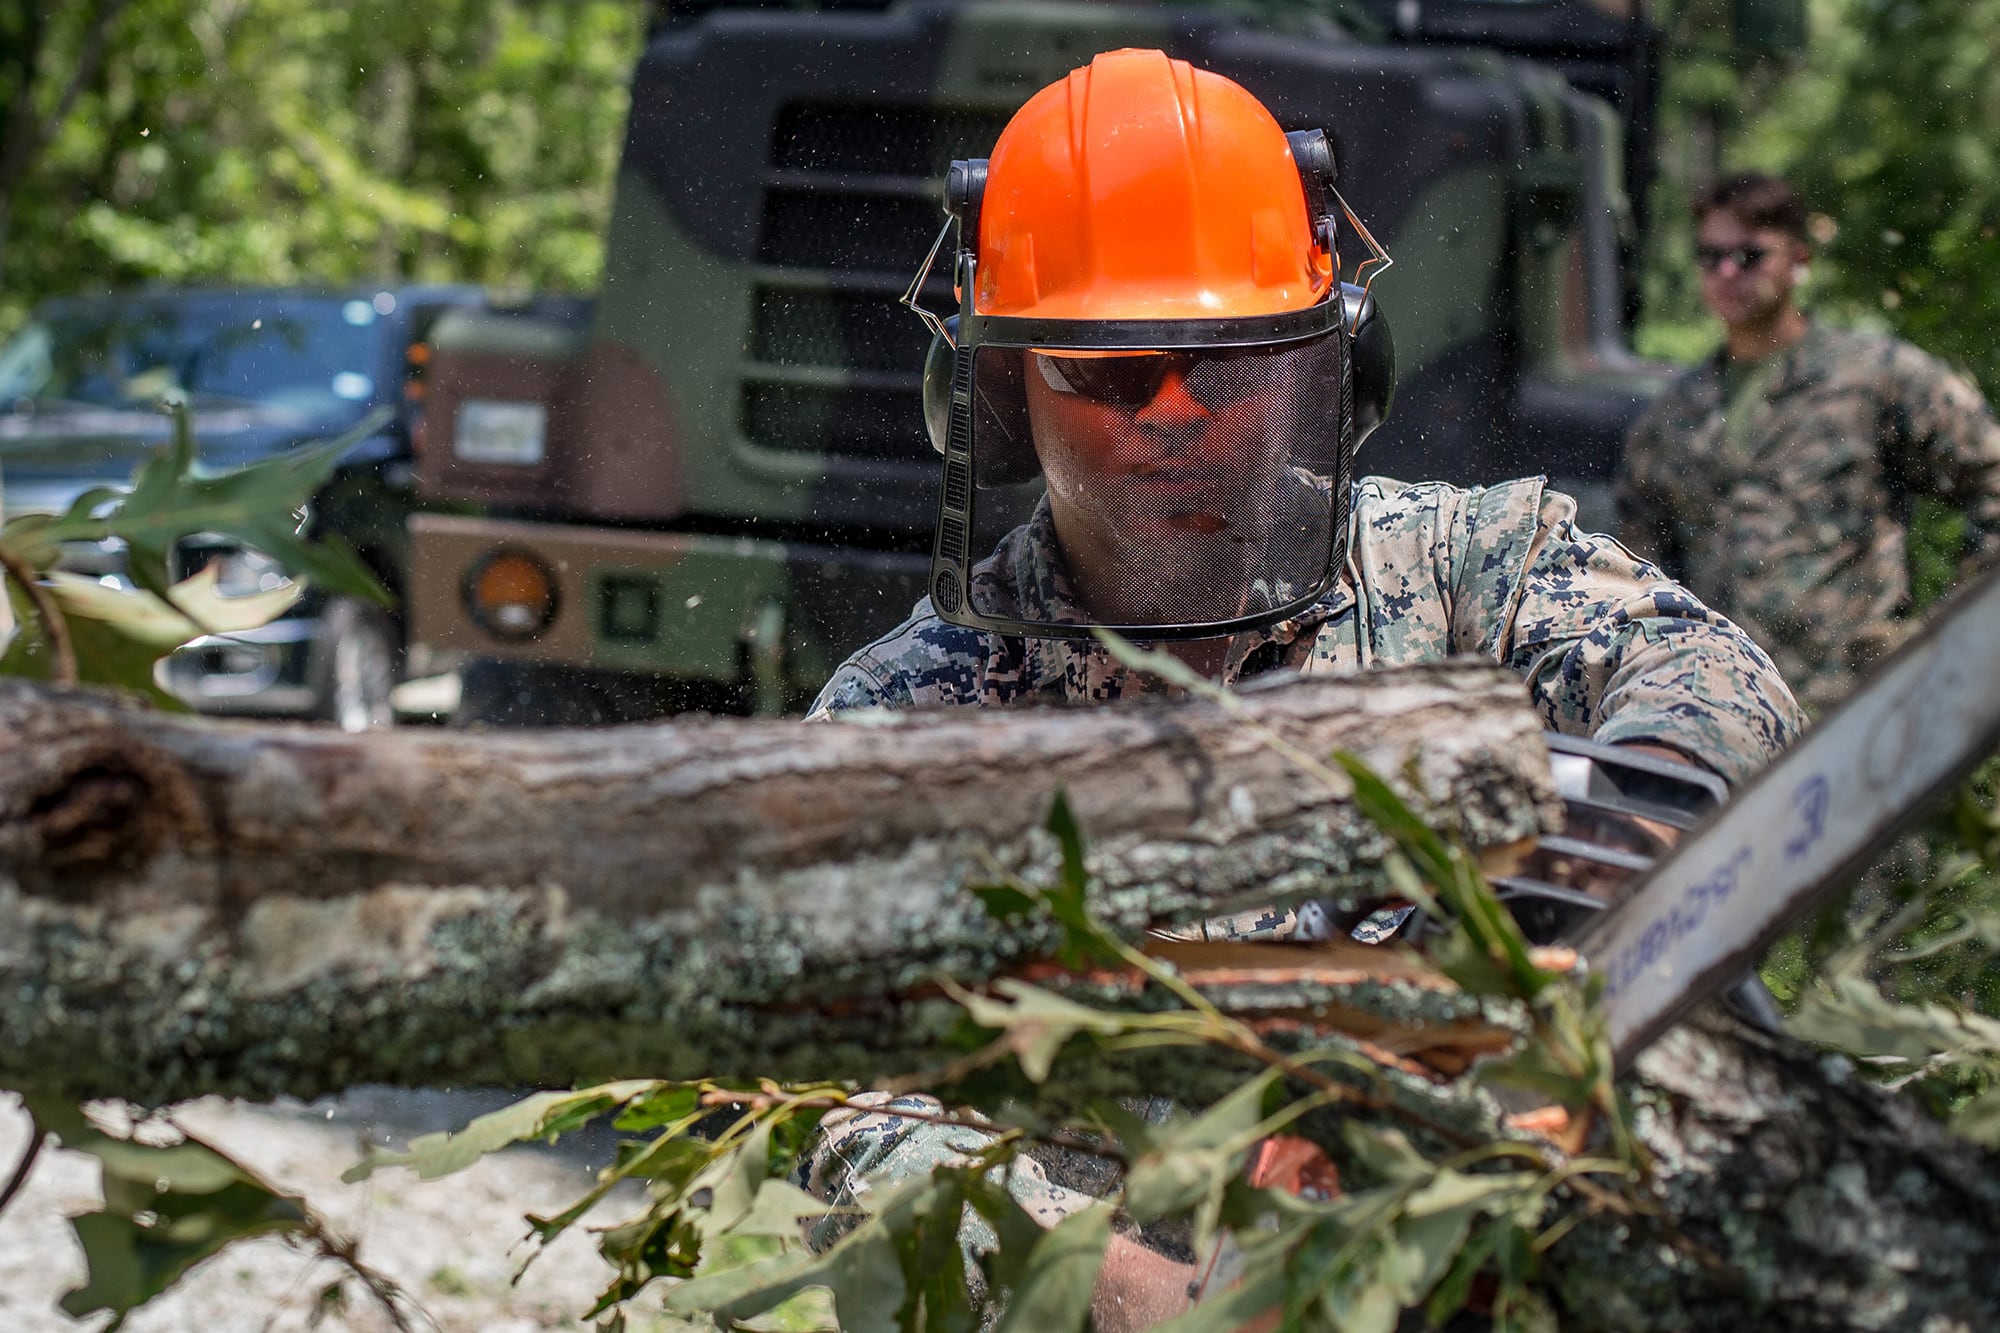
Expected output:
(1172, 476)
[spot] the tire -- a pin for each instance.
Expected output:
(495, 693)
(357, 665)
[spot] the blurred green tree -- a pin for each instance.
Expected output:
(297, 141)
(1887, 127)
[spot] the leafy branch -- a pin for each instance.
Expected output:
(76, 629)
(173, 1200)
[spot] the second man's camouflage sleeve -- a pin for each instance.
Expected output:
(1943, 441)
(1613, 649)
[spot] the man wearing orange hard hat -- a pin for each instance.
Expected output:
(1152, 323)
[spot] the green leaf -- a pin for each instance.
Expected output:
(120, 636)
(1053, 1295)
(1388, 1152)
(810, 1311)
(778, 1210)
(1068, 896)
(666, 1104)
(933, 1262)
(1490, 930)
(27, 537)
(541, 1116)
(1979, 1119)
(732, 1179)
(1017, 1233)
(105, 654)
(1433, 1228)
(864, 1271)
(1855, 1017)
(1005, 902)
(172, 498)
(1452, 1291)
(1038, 1023)
(654, 1160)
(166, 1208)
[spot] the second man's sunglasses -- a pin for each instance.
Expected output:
(1710, 257)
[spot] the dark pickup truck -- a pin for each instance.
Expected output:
(263, 370)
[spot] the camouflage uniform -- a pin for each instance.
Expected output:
(1610, 648)
(1780, 493)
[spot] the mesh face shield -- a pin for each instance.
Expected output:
(1197, 472)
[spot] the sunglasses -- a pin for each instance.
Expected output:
(1745, 257)
(1213, 379)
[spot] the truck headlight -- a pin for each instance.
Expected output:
(510, 594)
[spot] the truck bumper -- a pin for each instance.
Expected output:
(260, 672)
(775, 616)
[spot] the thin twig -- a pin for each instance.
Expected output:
(22, 1168)
(386, 1293)
(54, 627)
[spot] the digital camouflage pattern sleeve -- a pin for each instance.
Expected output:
(1610, 647)
(1614, 650)
(1948, 445)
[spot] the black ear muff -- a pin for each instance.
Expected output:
(1003, 451)
(1004, 448)
(1372, 359)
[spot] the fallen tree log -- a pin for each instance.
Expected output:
(1814, 1199)
(193, 907)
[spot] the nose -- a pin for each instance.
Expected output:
(1171, 405)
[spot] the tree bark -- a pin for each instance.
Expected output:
(188, 906)
(1822, 1201)
(191, 907)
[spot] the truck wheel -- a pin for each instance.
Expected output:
(525, 694)
(357, 666)
(494, 694)
(543, 694)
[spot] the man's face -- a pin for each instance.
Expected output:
(1746, 272)
(1166, 476)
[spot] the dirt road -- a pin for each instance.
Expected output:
(445, 1242)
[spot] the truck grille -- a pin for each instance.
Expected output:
(850, 205)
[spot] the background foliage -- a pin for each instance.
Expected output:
(299, 141)
(1886, 125)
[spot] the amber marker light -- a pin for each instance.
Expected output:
(510, 594)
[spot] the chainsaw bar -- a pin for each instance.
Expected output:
(1804, 826)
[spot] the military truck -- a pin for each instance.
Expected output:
(719, 486)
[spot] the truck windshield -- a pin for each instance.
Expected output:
(313, 357)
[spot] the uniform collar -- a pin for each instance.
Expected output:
(1030, 565)
(1787, 368)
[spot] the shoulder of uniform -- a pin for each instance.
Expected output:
(1377, 493)
(1896, 361)
(924, 638)
(1382, 497)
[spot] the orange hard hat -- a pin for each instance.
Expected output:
(1140, 187)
